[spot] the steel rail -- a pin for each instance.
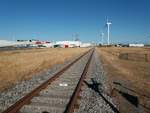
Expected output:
(73, 101)
(26, 99)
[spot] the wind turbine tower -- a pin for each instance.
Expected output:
(102, 36)
(108, 28)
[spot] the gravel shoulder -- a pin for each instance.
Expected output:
(91, 100)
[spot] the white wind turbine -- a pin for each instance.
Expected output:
(108, 34)
(102, 36)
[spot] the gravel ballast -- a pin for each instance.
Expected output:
(91, 101)
(13, 94)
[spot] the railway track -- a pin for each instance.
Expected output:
(60, 93)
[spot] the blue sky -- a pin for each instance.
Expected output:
(58, 19)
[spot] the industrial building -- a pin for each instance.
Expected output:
(43, 44)
(66, 44)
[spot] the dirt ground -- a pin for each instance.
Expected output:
(133, 74)
(19, 65)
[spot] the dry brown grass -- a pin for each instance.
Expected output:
(22, 64)
(135, 74)
(134, 71)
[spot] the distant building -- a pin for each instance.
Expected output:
(136, 45)
(20, 43)
(6, 43)
(86, 45)
(42, 44)
(66, 44)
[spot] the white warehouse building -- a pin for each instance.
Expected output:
(69, 43)
(136, 45)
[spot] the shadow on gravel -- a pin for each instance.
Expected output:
(130, 98)
(95, 86)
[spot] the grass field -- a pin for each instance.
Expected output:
(19, 65)
(135, 74)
